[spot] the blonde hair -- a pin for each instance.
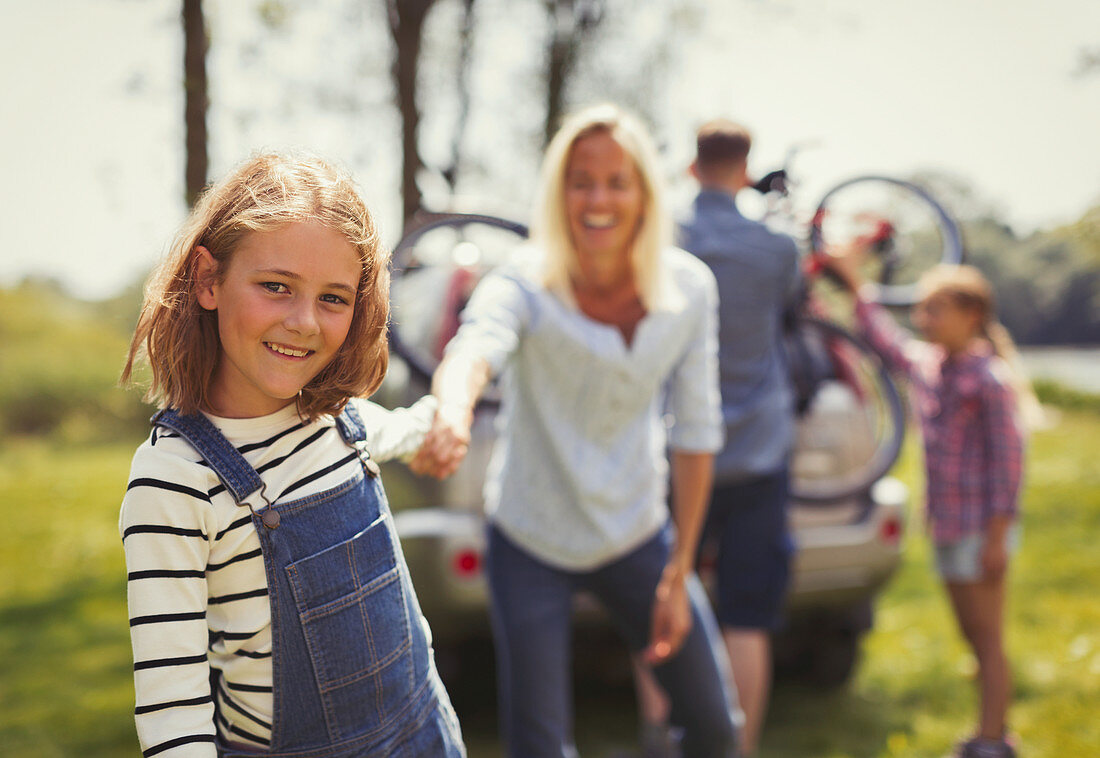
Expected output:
(179, 339)
(968, 289)
(550, 225)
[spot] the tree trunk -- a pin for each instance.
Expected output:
(462, 80)
(570, 22)
(406, 25)
(559, 57)
(196, 100)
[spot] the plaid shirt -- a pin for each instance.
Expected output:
(973, 444)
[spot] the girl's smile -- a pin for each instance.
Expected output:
(284, 304)
(289, 351)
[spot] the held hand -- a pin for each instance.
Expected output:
(671, 618)
(446, 443)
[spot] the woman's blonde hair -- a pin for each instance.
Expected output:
(968, 289)
(550, 225)
(179, 339)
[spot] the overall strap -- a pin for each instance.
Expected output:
(238, 476)
(354, 432)
(351, 426)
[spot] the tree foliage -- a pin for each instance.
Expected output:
(1047, 282)
(61, 366)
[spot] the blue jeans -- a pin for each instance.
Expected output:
(531, 613)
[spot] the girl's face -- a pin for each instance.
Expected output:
(284, 307)
(943, 321)
(604, 199)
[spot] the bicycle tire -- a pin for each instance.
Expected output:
(434, 221)
(420, 363)
(852, 482)
(950, 247)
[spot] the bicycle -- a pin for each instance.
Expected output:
(852, 419)
(911, 231)
(907, 232)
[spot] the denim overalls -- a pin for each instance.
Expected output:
(352, 665)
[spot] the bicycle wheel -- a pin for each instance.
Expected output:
(435, 268)
(922, 233)
(851, 420)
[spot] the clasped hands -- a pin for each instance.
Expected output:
(446, 443)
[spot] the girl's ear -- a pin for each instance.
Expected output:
(206, 270)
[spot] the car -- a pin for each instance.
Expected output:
(846, 549)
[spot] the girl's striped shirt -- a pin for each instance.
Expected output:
(197, 589)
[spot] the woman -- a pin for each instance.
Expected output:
(606, 338)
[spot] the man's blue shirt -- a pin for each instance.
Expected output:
(758, 276)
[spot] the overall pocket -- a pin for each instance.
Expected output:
(355, 617)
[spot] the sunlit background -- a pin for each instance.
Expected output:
(992, 105)
(1002, 98)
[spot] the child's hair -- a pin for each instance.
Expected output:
(179, 338)
(968, 289)
(550, 226)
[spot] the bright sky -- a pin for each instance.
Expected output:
(91, 115)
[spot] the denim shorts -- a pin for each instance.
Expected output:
(747, 522)
(961, 559)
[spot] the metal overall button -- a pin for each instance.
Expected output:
(369, 465)
(258, 503)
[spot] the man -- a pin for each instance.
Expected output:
(758, 277)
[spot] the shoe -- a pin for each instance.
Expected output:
(979, 747)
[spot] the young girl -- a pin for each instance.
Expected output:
(271, 611)
(967, 399)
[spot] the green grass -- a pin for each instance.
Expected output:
(66, 686)
(1063, 396)
(913, 694)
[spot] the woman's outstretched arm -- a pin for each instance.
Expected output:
(492, 324)
(457, 384)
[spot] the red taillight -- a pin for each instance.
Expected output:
(890, 531)
(466, 563)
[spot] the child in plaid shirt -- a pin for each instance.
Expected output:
(967, 399)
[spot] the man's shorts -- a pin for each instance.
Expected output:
(747, 522)
(961, 559)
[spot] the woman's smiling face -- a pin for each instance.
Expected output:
(284, 306)
(604, 201)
